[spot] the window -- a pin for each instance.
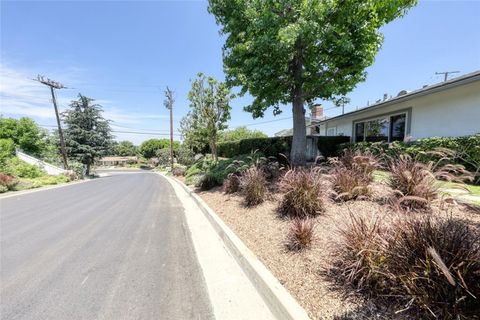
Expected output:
(331, 131)
(397, 127)
(359, 131)
(377, 130)
(388, 129)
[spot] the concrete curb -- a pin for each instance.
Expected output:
(277, 298)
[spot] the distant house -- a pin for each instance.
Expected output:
(116, 161)
(446, 109)
(311, 123)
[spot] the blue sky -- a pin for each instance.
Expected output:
(125, 53)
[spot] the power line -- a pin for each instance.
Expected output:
(121, 131)
(125, 127)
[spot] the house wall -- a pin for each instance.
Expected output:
(448, 113)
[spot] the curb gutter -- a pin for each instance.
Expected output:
(277, 298)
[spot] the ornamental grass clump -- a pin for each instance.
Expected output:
(301, 234)
(232, 183)
(415, 183)
(352, 174)
(303, 192)
(253, 186)
(360, 257)
(425, 267)
(435, 264)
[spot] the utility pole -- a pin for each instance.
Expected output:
(446, 73)
(56, 85)
(168, 103)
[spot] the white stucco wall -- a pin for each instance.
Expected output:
(48, 168)
(448, 113)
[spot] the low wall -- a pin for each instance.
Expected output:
(49, 169)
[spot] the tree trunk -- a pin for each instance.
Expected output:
(87, 172)
(213, 146)
(299, 139)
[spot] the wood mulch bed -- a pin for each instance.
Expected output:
(306, 274)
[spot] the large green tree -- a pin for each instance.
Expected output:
(124, 148)
(209, 112)
(148, 149)
(290, 51)
(240, 133)
(87, 133)
(24, 133)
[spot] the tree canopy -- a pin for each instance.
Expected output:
(87, 133)
(24, 133)
(148, 149)
(209, 112)
(240, 133)
(298, 51)
(124, 148)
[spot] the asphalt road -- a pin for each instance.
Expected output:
(114, 248)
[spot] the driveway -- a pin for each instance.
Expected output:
(117, 247)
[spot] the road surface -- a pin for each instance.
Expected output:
(117, 247)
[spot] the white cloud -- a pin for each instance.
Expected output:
(22, 96)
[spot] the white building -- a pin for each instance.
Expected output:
(446, 109)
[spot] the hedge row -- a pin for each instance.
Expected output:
(272, 147)
(466, 150)
(269, 147)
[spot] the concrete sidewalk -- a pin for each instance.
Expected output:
(232, 295)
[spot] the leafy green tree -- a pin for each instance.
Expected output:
(297, 51)
(87, 133)
(148, 148)
(192, 138)
(240, 133)
(210, 110)
(24, 133)
(124, 148)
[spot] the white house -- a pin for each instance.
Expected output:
(446, 109)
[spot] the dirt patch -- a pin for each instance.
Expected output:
(306, 274)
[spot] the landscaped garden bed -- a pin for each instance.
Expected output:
(349, 242)
(305, 274)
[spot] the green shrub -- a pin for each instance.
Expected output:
(179, 171)
(328, 145)
(16, 167)
(466, 150)
(207, 181)
(185, 156)
(274, 146)
(163, 156)
(3, 189)
(269, 147)
(7, 150)
(218, 171)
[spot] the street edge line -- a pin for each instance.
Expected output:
(44, 188)
(278, 299)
